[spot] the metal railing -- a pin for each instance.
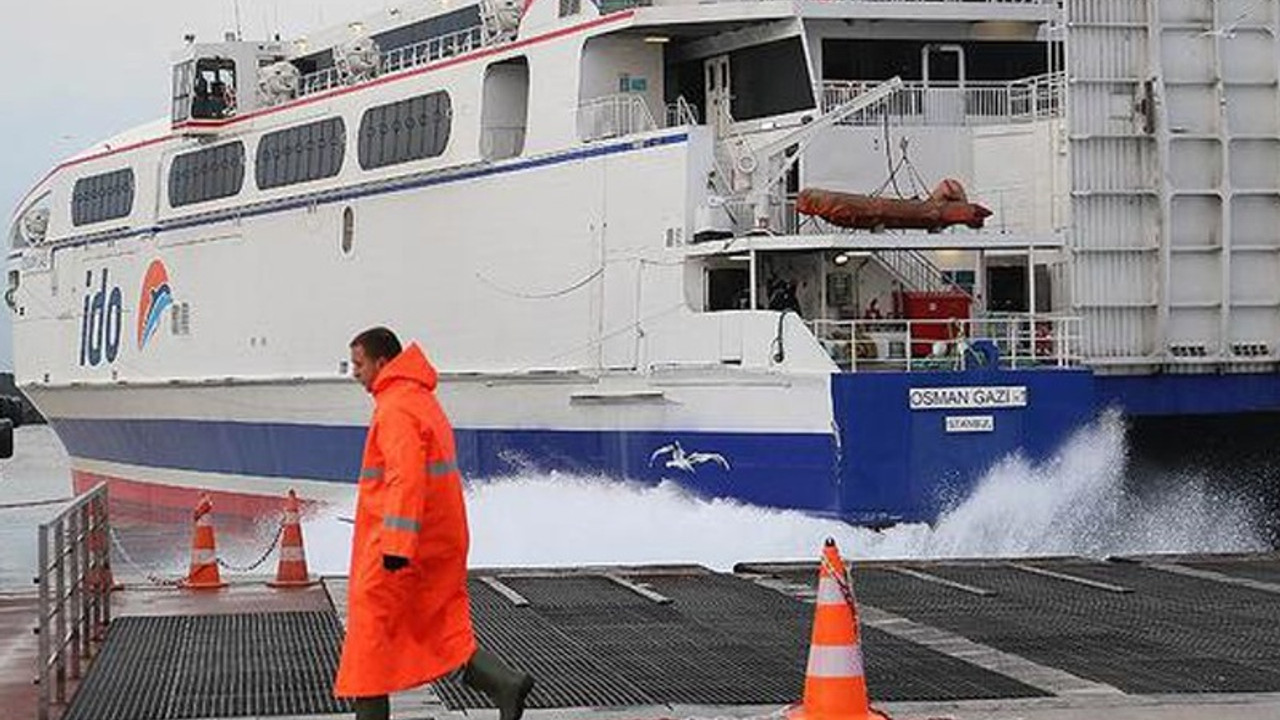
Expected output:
(410, 56)
(75, 585)
(611, 116)
(951, 103)
(1020, 341)
(681, 114)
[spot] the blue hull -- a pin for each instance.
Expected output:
(883, 463)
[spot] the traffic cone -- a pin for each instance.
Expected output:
(835, 687)
(203, 574)
(292, 570)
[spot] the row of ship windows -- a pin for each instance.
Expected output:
(416, 128)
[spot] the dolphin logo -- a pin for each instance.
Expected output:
(156, 298)
(686, 461)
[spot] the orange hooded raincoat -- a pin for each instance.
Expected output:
(412, 626)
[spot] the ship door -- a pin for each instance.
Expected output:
(719, 98)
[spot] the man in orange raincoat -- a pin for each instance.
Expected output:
(409, 615)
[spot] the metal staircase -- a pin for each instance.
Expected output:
(915, 271)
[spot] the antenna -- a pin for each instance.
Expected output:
(235, 6)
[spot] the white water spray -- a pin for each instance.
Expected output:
(1075, 503)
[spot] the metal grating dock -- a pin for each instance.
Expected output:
(1171, 632)
(203, 666)
(720, 640)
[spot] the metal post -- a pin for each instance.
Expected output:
(42, 642)
(754, 273)
(73, 529)
(104, 519)
(60, 621)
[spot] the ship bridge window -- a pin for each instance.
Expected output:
(32, 224)
(98, 198)
(300, 154)
(208, 174)
(204, 89)
(404, 131)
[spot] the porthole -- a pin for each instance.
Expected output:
(348, 230)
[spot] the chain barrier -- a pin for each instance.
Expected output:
(256, 563)
(151, 577)
(156, 578)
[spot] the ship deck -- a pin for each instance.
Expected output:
(1138, 638)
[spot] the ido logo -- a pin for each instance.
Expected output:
(100, 323)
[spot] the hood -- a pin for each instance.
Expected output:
(410, 365)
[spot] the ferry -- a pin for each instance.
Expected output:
(834, 256)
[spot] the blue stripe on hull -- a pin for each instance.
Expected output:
(786, 470)
(1190, 394)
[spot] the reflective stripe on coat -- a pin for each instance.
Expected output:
(412, 626)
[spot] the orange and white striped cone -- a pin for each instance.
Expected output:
(203, 574)
(835, 687)
(292, 570)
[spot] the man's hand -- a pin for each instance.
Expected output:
(394, 562)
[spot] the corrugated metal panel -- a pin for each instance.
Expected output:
(1114, 165)
(1118, 221)
(1115, 331)
(1103, 109)
(1107, 11)
(1116, 279)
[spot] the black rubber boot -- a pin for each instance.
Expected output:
(507, 688)
(373, 708)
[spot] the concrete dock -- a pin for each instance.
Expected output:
(1145, 638)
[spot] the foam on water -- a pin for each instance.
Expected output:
(1075, 503)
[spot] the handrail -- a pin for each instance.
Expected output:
(1021, 340)
(1039, 97)
(76, 610)
(616, 115)
(403, 58)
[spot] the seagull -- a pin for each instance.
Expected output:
(1228, 31)
(685, 461)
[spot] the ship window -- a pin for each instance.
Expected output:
(214, 89)
(570, 7)
(768, 79)
(301, 154)
(405, 131)
(182, 76)
(102, 197)
(209, 174)
(348, 230)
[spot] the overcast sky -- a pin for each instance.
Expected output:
(78, 72)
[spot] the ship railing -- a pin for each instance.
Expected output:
(610, 6)
(681, 114)
(74, 579)
(1011, 341)
(953, 103)
(611, 116)
(403, 58)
